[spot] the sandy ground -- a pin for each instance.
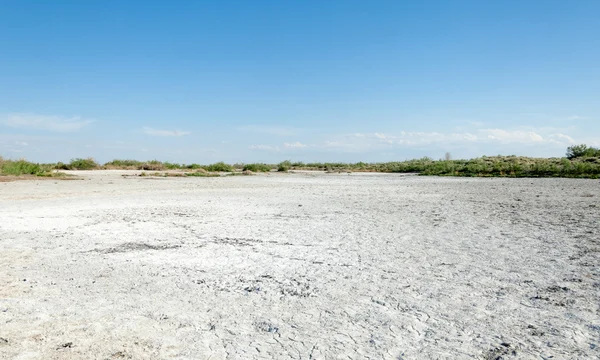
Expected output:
(302, 266)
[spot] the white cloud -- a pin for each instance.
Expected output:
(157, 132)
(561, 138)
(381, 136)
(271, 130)
(297, 145)
(45, 122)
(575, 117)
(416, 139)
(21, 143)
(512, 136)
(384, 138)
(264, 147)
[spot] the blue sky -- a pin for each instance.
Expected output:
(245, 81)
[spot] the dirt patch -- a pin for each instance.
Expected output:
(128, 247)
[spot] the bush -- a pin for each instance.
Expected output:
(257, 167)
(20, 167)
(83, 164)
(153, 165)
(582, 150)
(172, 166)
(219, 167)
(284, 166)
(124, 164)
(61, 166)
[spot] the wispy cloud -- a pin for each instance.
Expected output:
(270, 130)
(505, 136)
(264, 147)
(45, 122)
(296, 145)
(575, 117)
(21, 143)
(157, 132)
(561, 138)
(405, 139)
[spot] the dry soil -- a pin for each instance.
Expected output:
(302, 266)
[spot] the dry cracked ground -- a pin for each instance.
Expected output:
(300, 266)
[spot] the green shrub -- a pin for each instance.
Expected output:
(124, 164)
(582, 150)
(172, 166)
(20, 167)
(61, 166)
(257, 167)
(284, 166)
(83, 164)
(219, 167)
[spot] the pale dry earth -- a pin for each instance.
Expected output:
(301, 266)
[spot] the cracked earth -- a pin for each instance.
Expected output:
(299, 266)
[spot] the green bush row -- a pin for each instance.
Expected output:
(581, 161)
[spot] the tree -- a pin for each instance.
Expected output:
(581, 150)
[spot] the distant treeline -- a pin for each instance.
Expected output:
(580, 161)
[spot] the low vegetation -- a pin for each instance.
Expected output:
(580, 161)
(501, 166)
(284, 166)
(78, 164)
(25, 168)
(219, 167)
(20, 167)
(202, 174)
(582, 151)
(257, 167)
(124, 164)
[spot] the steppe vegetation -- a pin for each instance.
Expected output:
(580, 161)
(257, 167)
(20, 168)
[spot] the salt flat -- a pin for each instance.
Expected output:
(302, 266)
